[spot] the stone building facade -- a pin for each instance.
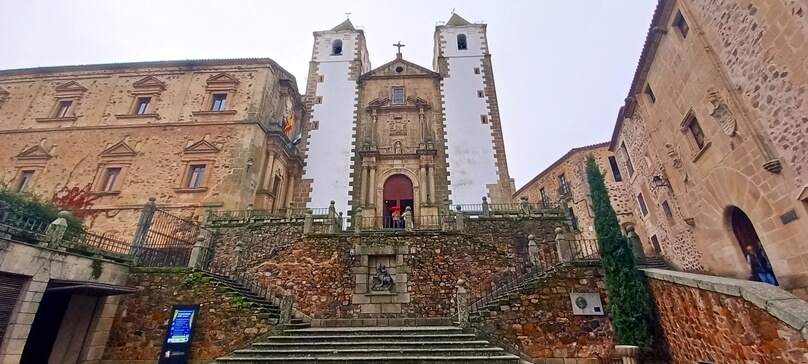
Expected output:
(566, 179)
(193, 134)
(712, 136)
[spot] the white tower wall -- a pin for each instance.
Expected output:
(470, 142)
(330, 145)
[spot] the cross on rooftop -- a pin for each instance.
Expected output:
(348, 15)
(399, 45)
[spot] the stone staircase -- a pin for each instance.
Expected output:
(376, 345)
(483, 307)
(652, 262)
(262, 304)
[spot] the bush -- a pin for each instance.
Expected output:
(30, 206)
(628, 300)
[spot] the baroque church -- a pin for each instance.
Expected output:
(419, 137)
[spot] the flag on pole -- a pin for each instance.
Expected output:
(289, 123)
(297, 140)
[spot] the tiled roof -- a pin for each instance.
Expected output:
(457, 20)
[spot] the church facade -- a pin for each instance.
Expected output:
(407, 136)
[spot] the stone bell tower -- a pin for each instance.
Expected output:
(474, 145)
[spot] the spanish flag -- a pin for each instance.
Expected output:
(289, 123)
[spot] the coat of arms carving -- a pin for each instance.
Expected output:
(721, 113)
(398, 127)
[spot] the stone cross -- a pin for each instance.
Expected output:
(399, 45)
(348, 15)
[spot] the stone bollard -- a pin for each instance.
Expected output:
(248, 212)
(634, 242)
(307, 221)
(197, 252)
(56, 230)
(629, 353)
(287, 305)
(408, 219)
(533, 250)
(486, 207)
(357, 220)
(563, 246)
(462, 300)
(459, 219)
(289, 210)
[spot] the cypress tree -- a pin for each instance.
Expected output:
(628, 300)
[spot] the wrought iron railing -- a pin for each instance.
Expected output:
(165, 240)
(505, 208)
(417, 223)
(22, 228)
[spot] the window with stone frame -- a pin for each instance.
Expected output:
(462, 44)
(218, 102)
(655, 244)
(398, 95)
(142, 105)
(109, 183)
(641, 202)
(627, 158)
(24, 180)
(667, 209)
(680, 23)
(63, 109)
(545, 201)
(195, 176)
(564, 187)
(573, 219)
(615, 169)
(697, 139)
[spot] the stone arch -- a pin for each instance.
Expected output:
(336, 47)
(721, 189)
(384, 175)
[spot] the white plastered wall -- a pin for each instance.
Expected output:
(470, 144)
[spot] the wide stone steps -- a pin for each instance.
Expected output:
(399, 345)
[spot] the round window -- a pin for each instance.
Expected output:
(399, 69)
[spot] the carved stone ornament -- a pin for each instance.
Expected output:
(382, 281)
(721, 113)
(398, 127)
(677, 162)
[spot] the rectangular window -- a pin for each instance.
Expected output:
(218, 102)
(629, 166)
(655, 244)
(142, 105)
(545, 202)
(615, 169)
(667, 209)
(484, 119)
(63, 110)
(476, 70)
(679, 22)
(564, 188)
(110, 176)
(24, 180)
(641, 201)
(650, 93)
(195, 174)
(695, 130)
(398, 95)
(480, 94)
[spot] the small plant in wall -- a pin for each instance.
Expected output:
(191, 279)
(628, 300)
(96, 269)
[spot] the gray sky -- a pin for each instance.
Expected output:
(562, 68)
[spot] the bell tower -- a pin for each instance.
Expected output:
(338, 58)
(474, 145)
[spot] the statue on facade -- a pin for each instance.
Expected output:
(382, 281)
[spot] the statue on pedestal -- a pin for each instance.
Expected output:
(382, 281)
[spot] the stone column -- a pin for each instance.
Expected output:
(563, 246)
(307, 221)
(266, 179)
(237, 259)
(357, 220)
(56, 230)
(290, 189)
(432, 182)
(363, 198)
(287, 305)
(424, 184)
(459, 219)
(372, 186)
(462, 300)
(533, 250)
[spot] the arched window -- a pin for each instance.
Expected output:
(336, 47)
(461, 42)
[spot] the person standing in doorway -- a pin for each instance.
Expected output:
(761, 267)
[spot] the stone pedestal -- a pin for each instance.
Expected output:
(380, 303)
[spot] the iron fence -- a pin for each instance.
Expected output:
(165, 240)
(97, 240)
(579, 249)
(22, 228)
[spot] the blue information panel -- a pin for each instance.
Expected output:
(177, 344)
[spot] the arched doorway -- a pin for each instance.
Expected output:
(397, 196)
(750, 245)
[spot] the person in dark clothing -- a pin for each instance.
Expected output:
(759, 262)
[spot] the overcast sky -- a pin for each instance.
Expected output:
(562, 68)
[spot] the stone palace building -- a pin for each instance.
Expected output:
(228, 134)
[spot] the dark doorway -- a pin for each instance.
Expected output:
(46, 326)
(750, 245)
(397, 197)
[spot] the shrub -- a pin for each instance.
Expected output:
(30, 206)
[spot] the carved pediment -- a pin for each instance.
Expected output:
(222, 79)
(398, 68)
(120, 149)
(34, 152)
(202, 146)
(409, 103)
(149, 82)
(71, 87)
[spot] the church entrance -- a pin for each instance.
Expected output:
(751, 247)
(397, 197)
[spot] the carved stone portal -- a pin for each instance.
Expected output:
(677, 162)
(721, 113)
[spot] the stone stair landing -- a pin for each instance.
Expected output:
(377, 345)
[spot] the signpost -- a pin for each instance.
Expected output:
(177, 343)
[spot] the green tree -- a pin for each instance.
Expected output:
(628, 300)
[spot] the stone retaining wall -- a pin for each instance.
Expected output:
(730, 320)
(140, 324)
